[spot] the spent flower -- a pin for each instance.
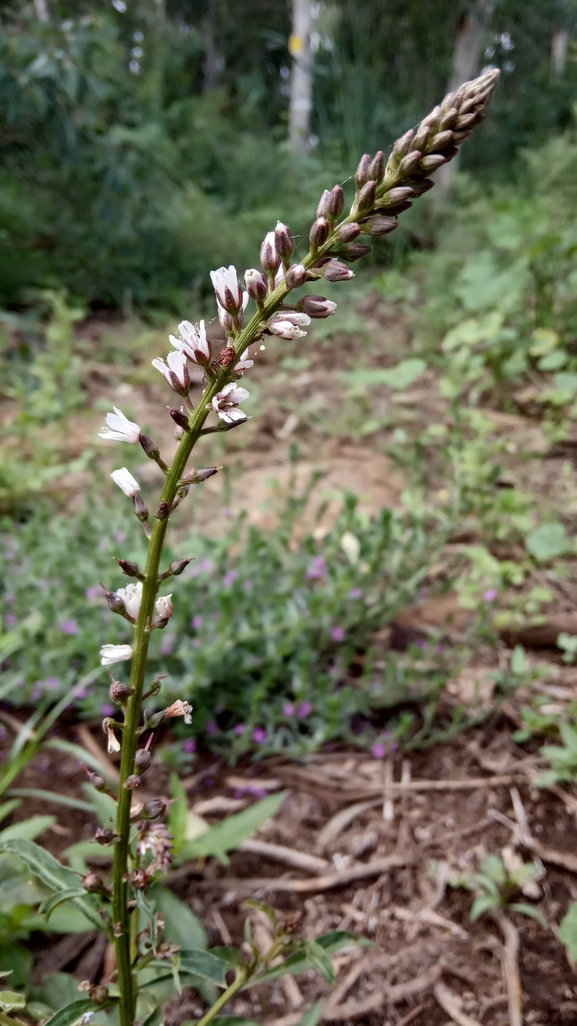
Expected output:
(124, 479)
(110, 654)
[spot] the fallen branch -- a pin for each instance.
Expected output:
(320, 883)
(510, 959)
(290, 856)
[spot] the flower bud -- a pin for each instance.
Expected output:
(227, 356)
(379, 225)
(153, 808)
(96, 780)
(296, 276)
(362, 172)
(155, 688)
(115, 603)
(318, 306)
(103, 835)
(99, 994)
(198, 476)
(142, 760)
(334, 270)
(285, 242)
(132, 782)
(269, 257)
(404, 144)
(449, 117)
(92, 883)
(335, 202)
(180, 418)
(355, 250)
(322, 207)
(432, 162)
(151, 450)
(444, 139)
(394, 198)
(420, 185)
(130, 569)
(366, 199)
(177, 566)
(256, 284)
(163, 511)
(410, 162)
(421, 139)
(319, 232)
(349, 232)
(377, 167)
(140, 508)
(119, 692)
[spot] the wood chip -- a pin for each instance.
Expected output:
(450, 1004)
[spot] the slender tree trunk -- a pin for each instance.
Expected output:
(301, 79)
(466, 60)
(559, 41)
(42, 10)
(212, 60)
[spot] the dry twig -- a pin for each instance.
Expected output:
(510, 959)
(451, 1005)
(320, 883)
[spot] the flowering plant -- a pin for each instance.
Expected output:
(384, 188)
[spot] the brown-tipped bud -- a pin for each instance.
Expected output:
(92, 883)
(180, 418)
(421, 140)
(366, 198)
(151, 450)
(296, 276)
(163, 511)
(410, 162)
(269, 257)
(420, 185)
(115, 603)
(142, 760)
(99, 994)
(153, 808)
(119, 692)
(335, 202)
(130, 569)
(256, 284)
(394, 198)
(317, 306)
(442, 140)
(285, 242)
(404, 145)
(198, 476)
(432, 162)
(362, 172)
(465, 121)
(227, 356)
(96, 780)
(140, 508)
(180, 495)
(104, 835)
(334, 270)
(377, 166)
(319, 232)
(460, 137)
(177, 566)
(379, 225)
(349, 232)
(132, 782)
(433, 119)
(354, 251)
(449, 118)
(322, 207)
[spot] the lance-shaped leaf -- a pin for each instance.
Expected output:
(71, 1014)
(230, 834)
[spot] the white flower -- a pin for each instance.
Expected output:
(285, 329)
(269, 257)
(164, 607)
(124, 479)
(132, 597)
(113, 742)
(193, 341)
(175, 371)
(228, 291)
(243, 364)
(179, 708)
(110, 654)
(226, 403)
(119, 429)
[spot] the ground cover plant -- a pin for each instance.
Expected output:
(124, 909)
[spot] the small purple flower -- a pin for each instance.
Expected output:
(338, 634)
(490, 595)
(10, 620)
(239, 729)
(229, 577)
(196, 622)
(107, 710)
(356, 593)
(69, 627)
(304, 710)
(119, 536)
(212, 728)
(259, 735)
(379, 750)
(316, 569)
(167, 644)
(288, 709)
(189, 745)
(92, 592)
(81, 693)
(52, 683)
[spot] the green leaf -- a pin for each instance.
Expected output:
(529, 910)
(547, 541)
(71, 1013)
(205, 964)
(53, 874)
(313, 1016)
(80, 753)
(8, 807)
(51, 903)
(231, 833)
(103, 805)
(9, 999)
(182, 927)
(482, 904)
(320, 960)
(50, 796)
(177, 812)
(568, 930)
(298, 962)
(28, 829)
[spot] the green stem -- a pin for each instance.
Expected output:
(241, 978)
(120, 912)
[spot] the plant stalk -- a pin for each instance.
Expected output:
(238, 984)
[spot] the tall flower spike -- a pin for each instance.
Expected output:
(175, 371)
(119, 428)
(110, 654)
(124, 479)
(225, 403)
(228, 291)
(193, 342)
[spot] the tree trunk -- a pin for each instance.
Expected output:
(559, 41)
(466, 60)
(301, 79)
(42, 11)
(212, 60)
